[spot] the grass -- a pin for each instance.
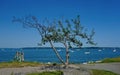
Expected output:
(109, 60)
(102, 72)
(48, 73)
(18, 64)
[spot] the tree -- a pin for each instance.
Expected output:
(67, 32)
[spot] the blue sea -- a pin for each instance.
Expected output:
(45, 55)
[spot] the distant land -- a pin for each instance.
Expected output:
(64, 47)
(72, 48)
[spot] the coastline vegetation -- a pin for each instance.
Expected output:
(110, 60)
(14, 64)
(102, 72)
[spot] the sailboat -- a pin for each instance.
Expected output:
(114, 50)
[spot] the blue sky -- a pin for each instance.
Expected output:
(102, 15)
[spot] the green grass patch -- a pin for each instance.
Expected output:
(18, 64)
(102, 72)
(48, 73)
(109, 60)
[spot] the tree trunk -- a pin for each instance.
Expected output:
(56, 52)
(67, 55)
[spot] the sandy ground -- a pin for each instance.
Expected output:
(82, 69)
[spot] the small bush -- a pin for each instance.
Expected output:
(54, 64)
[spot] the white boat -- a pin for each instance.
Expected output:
(85, 63)
(59, 50)
(87, 52)
(114, 50)
(99, 50)
(71, 51)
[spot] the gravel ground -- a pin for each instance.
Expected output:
(25, 70)
(18, 71)
(77, 69)
(113, 67)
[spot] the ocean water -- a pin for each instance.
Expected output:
(47, 54)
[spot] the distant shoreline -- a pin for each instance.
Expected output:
(64, 47)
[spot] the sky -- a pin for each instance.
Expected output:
(102, 15)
